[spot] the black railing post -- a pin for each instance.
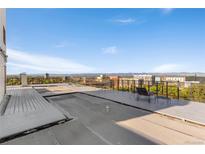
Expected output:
(148, 86)
(157, 88)
(118, 84)
(111, 84)
(140, 83)
(122, 85)
(127, 85)
(167, 89)
(178, 84)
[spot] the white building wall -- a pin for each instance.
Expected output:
(2, 54)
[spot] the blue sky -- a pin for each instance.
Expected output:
(105, 40)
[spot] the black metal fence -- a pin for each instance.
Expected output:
(174, 90)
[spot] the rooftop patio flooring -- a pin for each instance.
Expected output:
(115, 118)
(100, 121)
(185, 110)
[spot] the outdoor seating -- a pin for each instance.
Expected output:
(143, 92)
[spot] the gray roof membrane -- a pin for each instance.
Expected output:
(26, 110)
(181, 109)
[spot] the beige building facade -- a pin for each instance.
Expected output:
(3, 56)
(144, 78)
(174, 78)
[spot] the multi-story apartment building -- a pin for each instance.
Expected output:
(115, 81)
(122, 82)
(126, 82)
(145, 78)
(173, 78)
(3, 56)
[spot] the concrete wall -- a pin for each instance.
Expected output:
(2, 54)
(24, 79)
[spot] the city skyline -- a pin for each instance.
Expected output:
(65, 41)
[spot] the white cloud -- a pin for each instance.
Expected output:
(110, 50)
(20, 61)
(167, 10)
(168, 68)
(125, 21)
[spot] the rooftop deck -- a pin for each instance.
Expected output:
(114, 118)
(185, 110)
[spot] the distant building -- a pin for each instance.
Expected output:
(188, 84)
(126, 82)
(131, 81)
(115, 81)
(145, 78)
(100, 78)
(115, 77)
(3, 57)
(173, 78)
(88, 80)
(201, 79)
(121, 82)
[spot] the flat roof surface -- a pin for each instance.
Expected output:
(95, 122)
(182, 109)
(51, 89)
(100, 121)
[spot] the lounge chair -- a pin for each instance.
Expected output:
(144, 92)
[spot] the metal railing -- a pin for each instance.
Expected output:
(174, 90)
(165, 89)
